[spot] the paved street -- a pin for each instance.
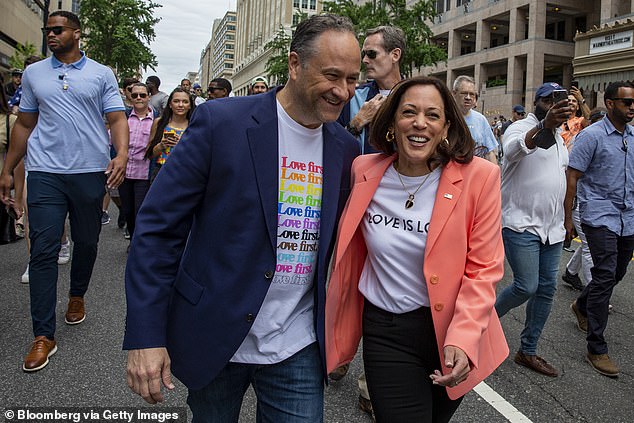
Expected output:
(89, 367)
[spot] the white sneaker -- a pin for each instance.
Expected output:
(25, 275)
(64, 253)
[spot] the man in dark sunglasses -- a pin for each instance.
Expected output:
(58, 122)
(382, 52)
(518, 113)
(601, 175)
(218, 88)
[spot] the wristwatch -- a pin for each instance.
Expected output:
(353, 130)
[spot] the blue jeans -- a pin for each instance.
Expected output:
(535, 266)
(50, 197)
(289, 391)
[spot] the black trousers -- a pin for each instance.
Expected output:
(611, 254)
(132, 193)
(399, 354)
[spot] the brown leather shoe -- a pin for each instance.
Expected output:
(582, 321)
(75, 312)
(536, 363)
(41, 350)
(603, 364)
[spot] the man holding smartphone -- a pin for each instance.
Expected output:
(533, 189)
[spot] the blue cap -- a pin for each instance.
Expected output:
(196, 86)
(547, 89)
(518, 108)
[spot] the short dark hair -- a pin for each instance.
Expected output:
(303, 42)
(129, 81)
(393, 37)
(223, 84)
(140, 84)
(70, 17)
(154, 80)
(461, 145)
(31, 59)
(185, 79)
(611, 91)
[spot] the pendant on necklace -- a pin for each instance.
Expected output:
(410, 202)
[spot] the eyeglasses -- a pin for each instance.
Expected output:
(467, 94)
(521, 113)
(136, 95)
(56, 29)
(370, 53)
(626, 101)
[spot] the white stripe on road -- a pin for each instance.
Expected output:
(505, 408)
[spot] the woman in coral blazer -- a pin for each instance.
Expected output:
(418, 256)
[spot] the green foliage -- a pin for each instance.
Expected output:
(420, 51)
(22, 51)
(497, 82)
(117, 33)
(277, 64)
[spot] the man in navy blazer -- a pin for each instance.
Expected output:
(225, 279)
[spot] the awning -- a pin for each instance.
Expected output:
(598, 82)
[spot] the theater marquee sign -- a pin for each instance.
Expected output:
(611, 42)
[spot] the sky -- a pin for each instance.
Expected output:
(181, 35)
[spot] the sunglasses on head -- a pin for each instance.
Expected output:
(136, 95)
(370, 53)
(626, 101)
(56, 29)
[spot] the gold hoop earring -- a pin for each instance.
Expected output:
(389, 137)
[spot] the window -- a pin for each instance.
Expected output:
(304, 4)
(295, 20)
(228, 56)
(230, 37)
(228, 46)
(228, 65)
(313, 4)
(295, 3)
(231, 27)
(75, 6)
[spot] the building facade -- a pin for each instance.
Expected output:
(217, 58)
(258, 22)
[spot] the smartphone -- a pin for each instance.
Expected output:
(574, 84)
(559, 95)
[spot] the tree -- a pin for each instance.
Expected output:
(117, 33)
(22, 51)
(277, 64)
(412, 20)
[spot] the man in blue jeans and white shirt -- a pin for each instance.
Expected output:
(64, 98)
(601, 174)
(533, 189)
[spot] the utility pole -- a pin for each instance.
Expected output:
(44, 7)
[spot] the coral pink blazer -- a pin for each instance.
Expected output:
(464, 260)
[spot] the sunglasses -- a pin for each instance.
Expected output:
(521, 113)
(370, 53)
(136, 95)
(626, 101)
(210, 89)
(56, 29)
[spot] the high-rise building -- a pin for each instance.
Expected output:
(258, 22)
(512, 46)
(217, 58)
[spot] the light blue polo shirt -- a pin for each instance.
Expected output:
(481, 132)
(70, 135)
(605, 192)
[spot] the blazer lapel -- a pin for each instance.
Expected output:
(447, 197)
(364, 188)
(332, 160)
(263, 144)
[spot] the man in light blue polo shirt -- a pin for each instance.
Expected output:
(64, 99)
(601, 174)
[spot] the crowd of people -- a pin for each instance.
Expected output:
(374, 213)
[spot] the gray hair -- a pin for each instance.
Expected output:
(463, 78)
(303, 42)
(393, 37)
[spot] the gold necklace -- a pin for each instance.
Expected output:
(409, 203)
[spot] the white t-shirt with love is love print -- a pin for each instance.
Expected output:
(285, 322)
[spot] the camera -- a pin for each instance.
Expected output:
(559, 95)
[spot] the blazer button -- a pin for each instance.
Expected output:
(438, 306)
(250, 318)
(269, 274)
(434, 279)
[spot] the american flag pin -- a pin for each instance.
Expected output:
(448, 196)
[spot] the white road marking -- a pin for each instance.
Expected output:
(504, 407)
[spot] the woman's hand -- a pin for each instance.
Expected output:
(457, 361)
(169, 140)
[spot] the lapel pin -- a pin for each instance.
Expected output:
(448, 196)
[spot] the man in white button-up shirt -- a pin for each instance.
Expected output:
(533, 190)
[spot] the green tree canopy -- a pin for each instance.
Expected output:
(412, 20)
(22, 51)
(277, 63)
(117, 33)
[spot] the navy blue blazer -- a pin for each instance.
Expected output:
(204, 247)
